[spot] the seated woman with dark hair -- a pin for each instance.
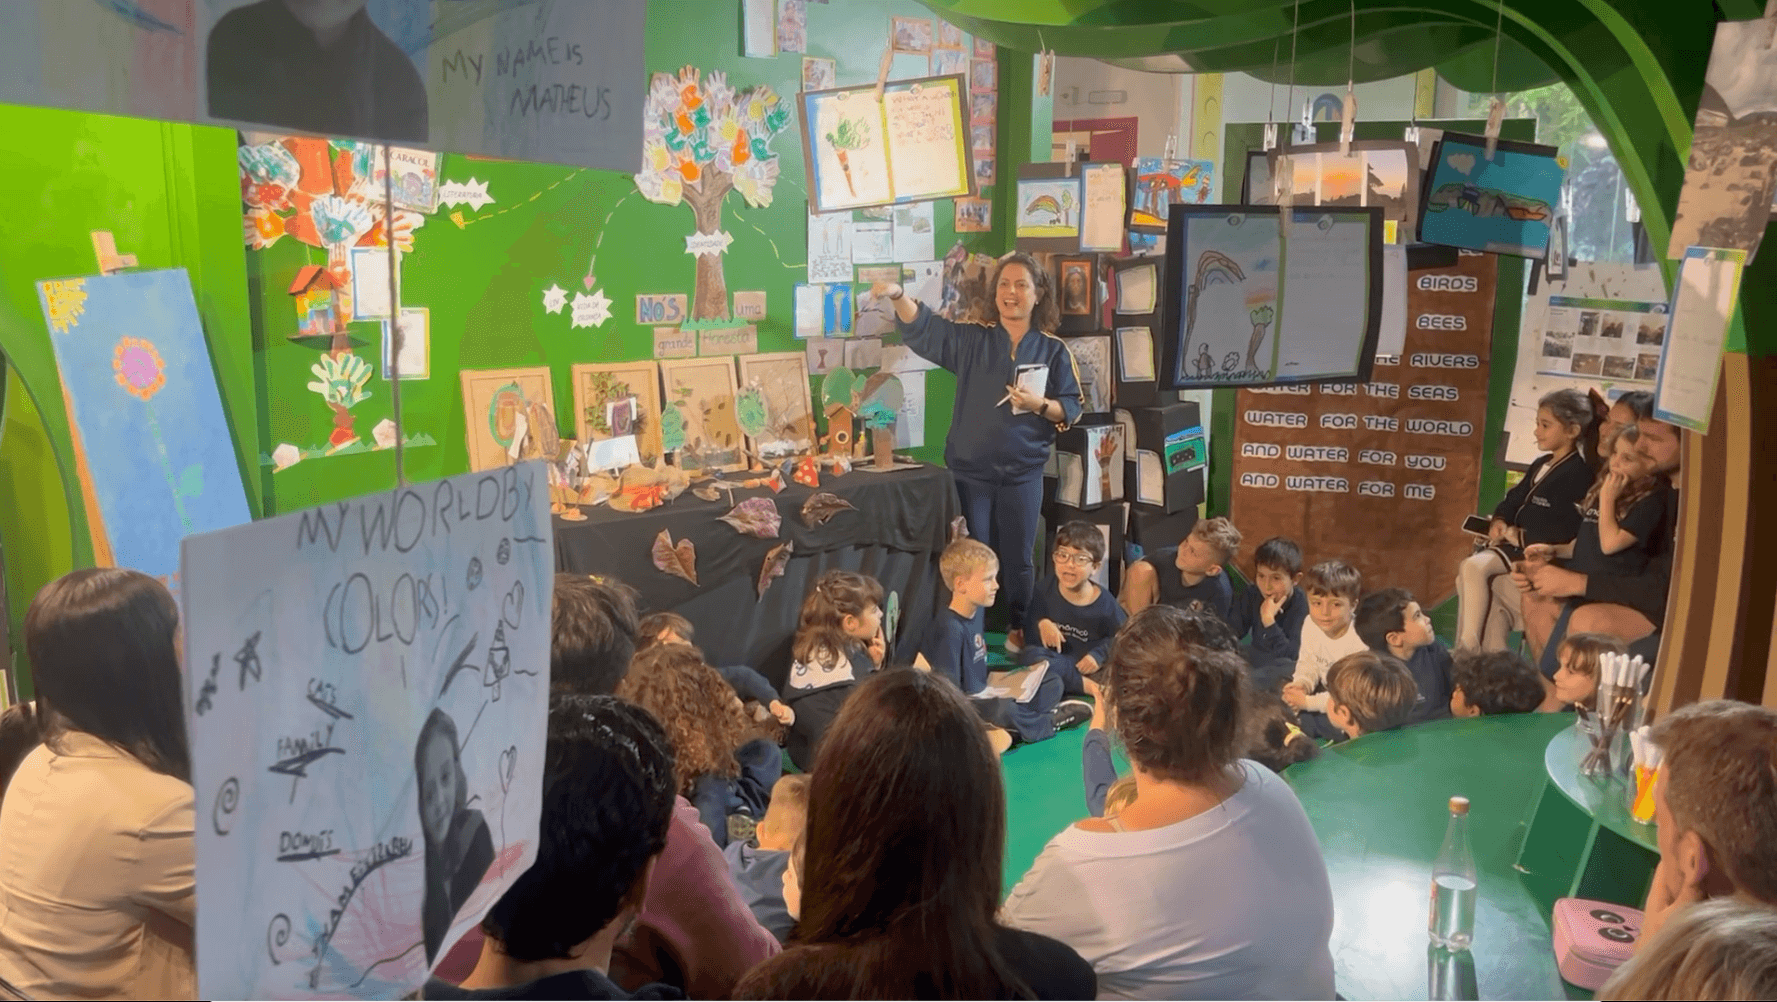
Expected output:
(901, 863)
(1210, 884)
(97, 885)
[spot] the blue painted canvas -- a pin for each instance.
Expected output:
(142, 398)
(1500, 206)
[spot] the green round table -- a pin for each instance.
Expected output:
(1379, 806)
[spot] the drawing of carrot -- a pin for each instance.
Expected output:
(848, 136)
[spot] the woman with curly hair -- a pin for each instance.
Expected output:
(707, 725)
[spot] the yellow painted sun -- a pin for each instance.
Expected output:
(66, 300)
(139, 368)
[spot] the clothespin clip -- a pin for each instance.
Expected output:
(1305, 125)
(1347, 119)
(1270, 136)
(882, 71)
(1283, 181)
(1412, 133)
(1170, 155)
(1496, 114)
(105, 249)
(1631, 208)
(1073, 152)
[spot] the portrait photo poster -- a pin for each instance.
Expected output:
(1254, 303)
(367, 713)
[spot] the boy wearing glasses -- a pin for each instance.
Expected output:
(1070, 617)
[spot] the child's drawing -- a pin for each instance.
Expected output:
(703, 389)
(782, 380)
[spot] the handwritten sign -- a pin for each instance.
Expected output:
(749, 306)
(366, 696)
(660, 309)
(743, 340)
(671, 342)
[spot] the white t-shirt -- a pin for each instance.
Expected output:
(1231, 904)
(1318, 653)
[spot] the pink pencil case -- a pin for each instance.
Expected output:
(1592, 939)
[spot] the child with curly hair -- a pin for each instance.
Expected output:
(718, 763)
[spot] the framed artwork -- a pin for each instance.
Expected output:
(1098, 381)
(1049, 208)
(614, 399)
(1137, 282)
(701, 392)
(1502, 205)
(782, 381)
(910, 144)
(416, 344)
(498, 405)
(1076, 291)
(1374, 173)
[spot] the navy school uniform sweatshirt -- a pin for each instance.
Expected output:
(987, 441)
(1431, 668)
(1085, 629)
(1213, 594)
(1548, 509)
(1283, 638)
(956, 648)
(815, 693)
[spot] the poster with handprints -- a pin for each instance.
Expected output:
(366, 695)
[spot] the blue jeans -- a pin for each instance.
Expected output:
(716, 797)
(1003, 514)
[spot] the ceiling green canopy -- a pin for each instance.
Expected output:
(1636, 65)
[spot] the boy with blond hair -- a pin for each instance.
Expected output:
(1333, 587)
(1187, 576)
(758, 871)
(955, 646)
(1369, 692)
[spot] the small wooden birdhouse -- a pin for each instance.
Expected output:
(841, 426)
(317, 308)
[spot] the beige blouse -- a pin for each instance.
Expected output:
(98, 890)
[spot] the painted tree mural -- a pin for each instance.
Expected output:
(701, 139)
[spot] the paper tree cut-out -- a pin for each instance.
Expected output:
(701, 139)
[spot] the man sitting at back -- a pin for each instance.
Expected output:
(1716, 806)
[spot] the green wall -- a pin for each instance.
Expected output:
(169, 195)
(483, 281)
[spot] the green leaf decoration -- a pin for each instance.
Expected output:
(672, 428)
(837, 388)
(749, 409)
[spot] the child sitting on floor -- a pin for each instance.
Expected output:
(955, 647)
(758, 871)
(1272, 609)
(1187, 576)
(1369, 692)
(1071, 617)
(1392, 623)
(1490, 682)
(1333, 587)
(1576, 683)
(837, 645)
(755, 692)
(708, 728)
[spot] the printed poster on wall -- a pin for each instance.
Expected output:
(1618, 341)
(1381, 474)
(550, 83)
(366, 694)
(911, 146)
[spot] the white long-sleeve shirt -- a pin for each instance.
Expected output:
(1319, 651)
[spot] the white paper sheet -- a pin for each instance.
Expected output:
(829, 247)
(1150, 478)
(613, 453)
(1325, 297)
(1703, 304)
(1137, 288)
(1392, 337)
(1034, 379)
(326, 651)
(416, 343)
(808, 310)
(824, 354)
(863, 353)
(872, 242)
(910, 423)
(858, 174)
(1101, 226)
(1135, 354)
(901, 360)
(924, 140)
(370, 282)
(915, 235)
(1071, 479)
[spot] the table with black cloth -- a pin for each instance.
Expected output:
(896, 535)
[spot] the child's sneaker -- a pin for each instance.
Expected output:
(1070, 713)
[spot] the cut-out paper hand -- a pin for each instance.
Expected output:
(340, 379)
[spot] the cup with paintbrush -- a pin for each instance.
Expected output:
(1619, 693)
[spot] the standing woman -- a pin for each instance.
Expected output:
(1542, 508)
(97, 883)
(1000, 433)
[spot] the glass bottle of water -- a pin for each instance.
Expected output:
(1452, 921)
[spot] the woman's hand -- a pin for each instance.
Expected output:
(887, 290)
(905, 307)
(1496, 530)
(1023, 399)
(1539, 553)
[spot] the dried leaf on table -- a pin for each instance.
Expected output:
(678, 560)
(959, 528)
(708, 492)
(755, 517)
(823, 506)
(775, 562)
